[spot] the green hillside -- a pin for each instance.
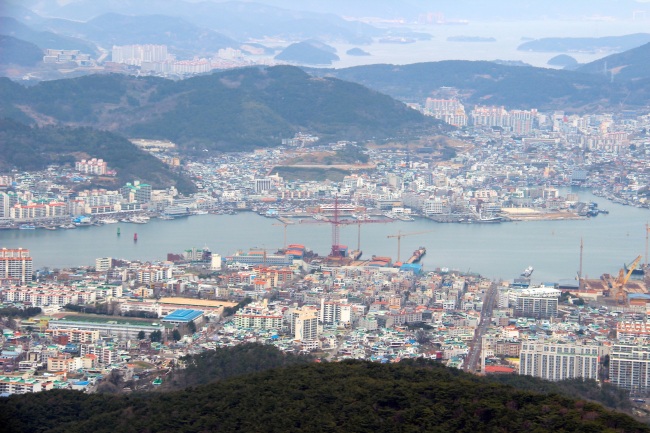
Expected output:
(630, 65)
(233, 110)
(32, 148)
(351, 396)
(15, 51)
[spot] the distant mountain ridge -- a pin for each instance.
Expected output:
(116, 29)
(631, 65)
(235, 19)
(605, 43)
(18, 52)
(489, 83)
(43, 39)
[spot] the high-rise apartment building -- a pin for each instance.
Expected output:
(332, 312)
(537, 302)
(629, 367)
(16, 263)
(303, 323)
(559, 361)
(136, 54)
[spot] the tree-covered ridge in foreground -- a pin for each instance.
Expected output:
(351, 396)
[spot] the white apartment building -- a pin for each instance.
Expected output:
(559, 361)
(537, 302)
(629, 367)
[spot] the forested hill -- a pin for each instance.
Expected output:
(631, 65)
(351, 396)
(233, 110)
(489, 83)
(33, 148)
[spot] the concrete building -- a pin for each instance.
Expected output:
(136, 192)
(537, 302)
(304, 323)
(334, 312)
(16, 263)
(184, 317)
(629, 367)
(103, 264)
(117, 328)
(559, 361)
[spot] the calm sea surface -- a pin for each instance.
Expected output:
(508, 35)
(494, 250)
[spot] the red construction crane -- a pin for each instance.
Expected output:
(336, 221)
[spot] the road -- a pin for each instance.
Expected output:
(473, 357)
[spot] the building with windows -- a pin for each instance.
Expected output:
(629, 367)
(333, 312)
(136, 192)
(121, 329)
(16, 263)
(91, 166)
(537, 302)
(258, 316)
(303, 323)
(136, 54)
(559, 361)
(103, 264)
(263, 184)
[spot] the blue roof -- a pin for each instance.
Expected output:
(183, 316)
(638, 296)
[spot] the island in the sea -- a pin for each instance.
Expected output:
(357, 52)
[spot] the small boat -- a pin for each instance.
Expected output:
(527, 272)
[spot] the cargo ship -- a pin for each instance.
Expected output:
(417, 255)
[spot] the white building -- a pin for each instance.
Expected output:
(537, 302)
(629, 367)
(559, 361)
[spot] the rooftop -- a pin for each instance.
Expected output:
(183, 316)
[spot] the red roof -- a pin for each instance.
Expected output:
(498, 369)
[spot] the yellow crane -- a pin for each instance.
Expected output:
(618, 285)
(399, 237)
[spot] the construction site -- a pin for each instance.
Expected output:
(625, 290)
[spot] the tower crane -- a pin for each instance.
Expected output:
(285, 224)
(336, 222)
(399, 237)
(618, 285)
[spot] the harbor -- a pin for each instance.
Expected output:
(494, 250)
